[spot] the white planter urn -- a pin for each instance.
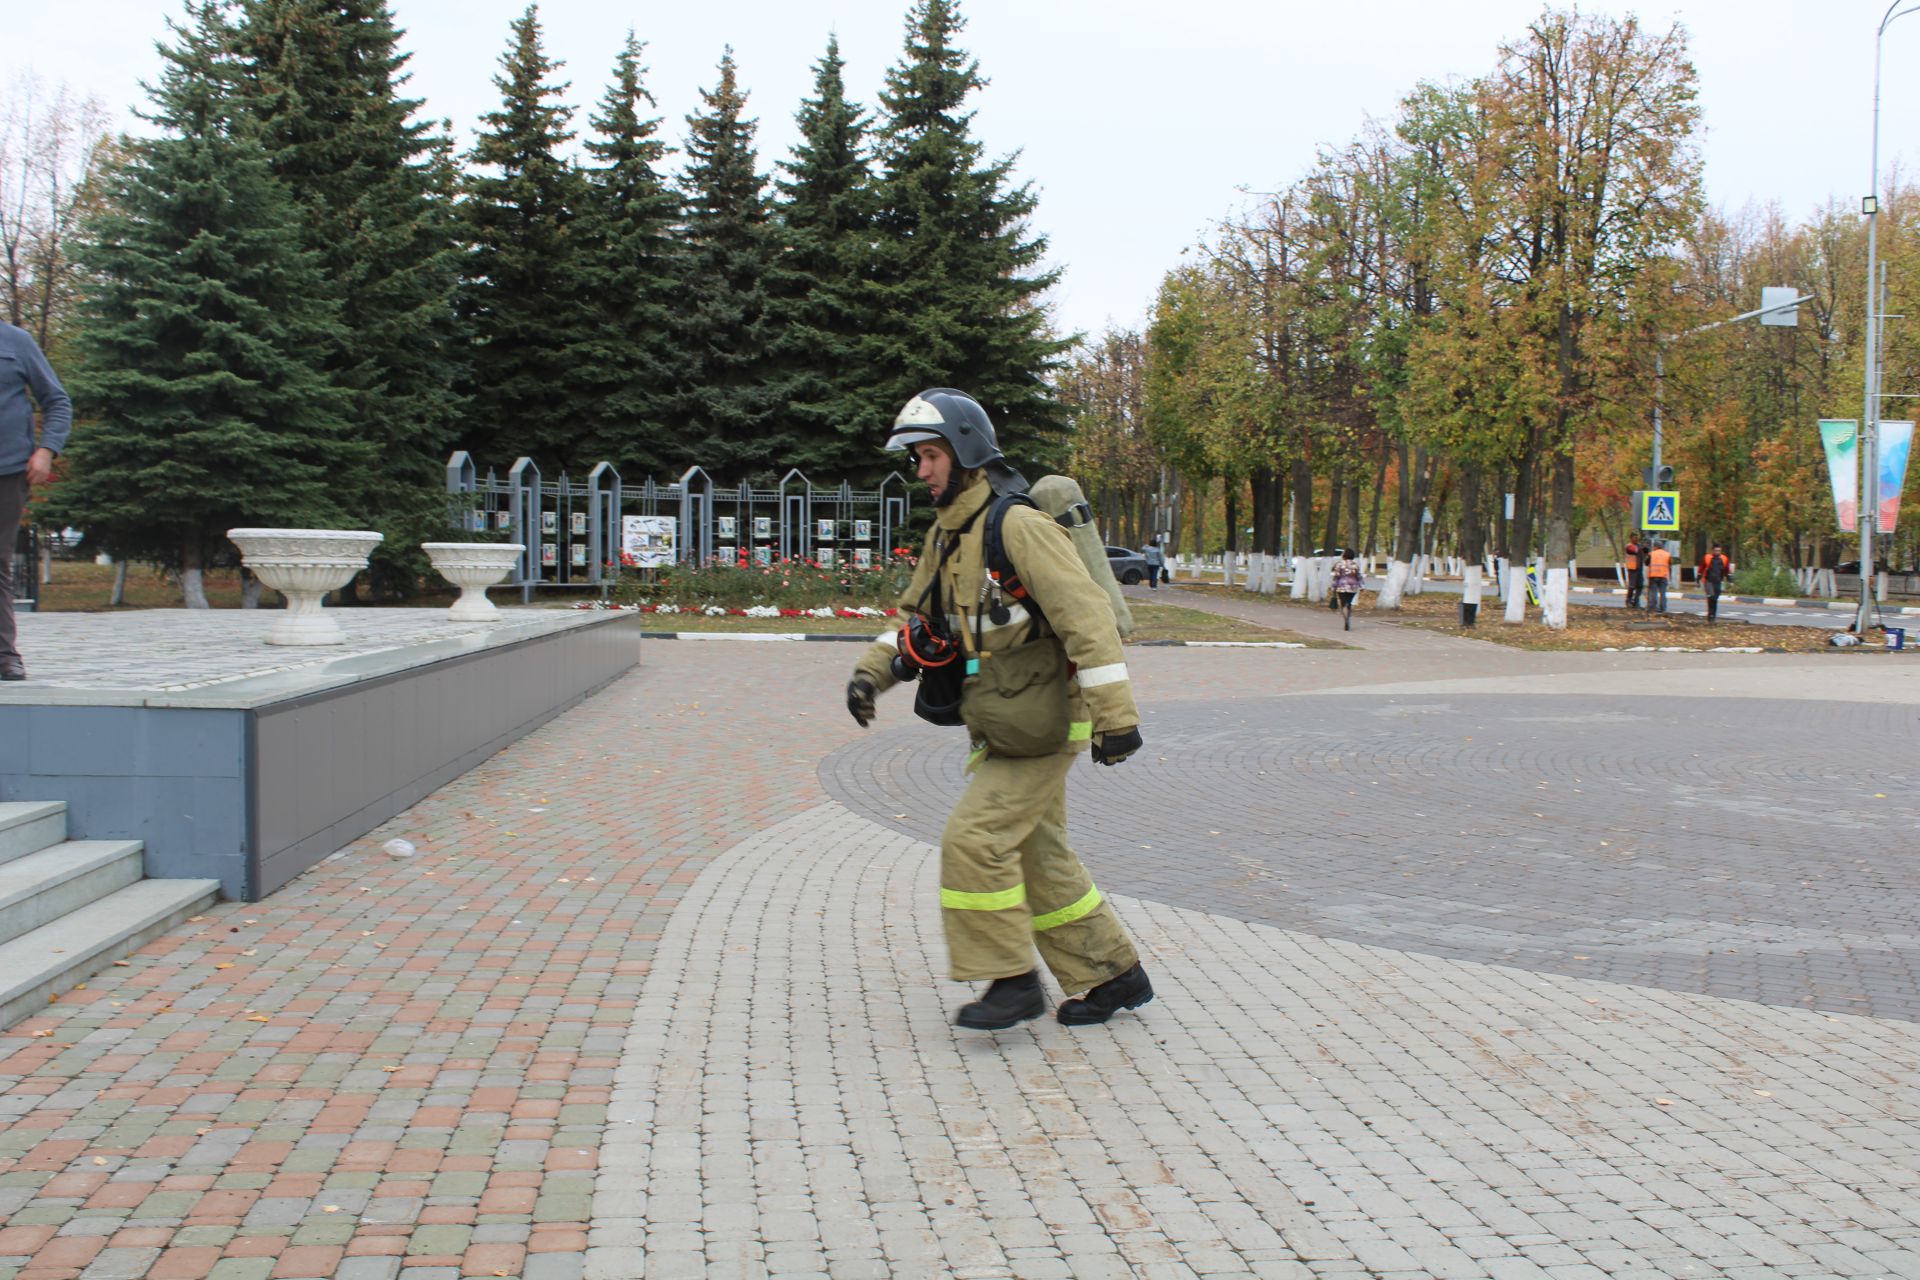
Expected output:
(303, 565)
(473, 567)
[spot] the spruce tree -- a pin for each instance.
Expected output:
(628, 365)
(523, 295)
(960, 284)
(206, 325)
(323, 77)
(820, 285)
(726, 415)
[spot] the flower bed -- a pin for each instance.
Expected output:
(781, 588)
(753, 611)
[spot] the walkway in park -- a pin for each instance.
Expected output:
(1472, 962)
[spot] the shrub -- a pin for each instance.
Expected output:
(784, 584)
(1767, 578)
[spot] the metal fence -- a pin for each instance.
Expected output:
(576, 533)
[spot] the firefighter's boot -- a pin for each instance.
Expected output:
(1006, 1002)
(1128, 991)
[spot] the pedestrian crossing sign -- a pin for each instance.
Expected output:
(1659, 509)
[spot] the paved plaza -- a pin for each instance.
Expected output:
(1471, 963)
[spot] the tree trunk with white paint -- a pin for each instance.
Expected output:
(1516, 593)
(1553, 600)
(119, 596)
(193, 590)
(1470, 584)
(1395, 586)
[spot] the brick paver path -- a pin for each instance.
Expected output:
(404, 1063)
(1289, 1106)
(650, 1000)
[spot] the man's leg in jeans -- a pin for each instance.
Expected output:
(13, 500)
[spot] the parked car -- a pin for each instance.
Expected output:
(1129, 567)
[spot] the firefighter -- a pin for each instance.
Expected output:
(1039, 686)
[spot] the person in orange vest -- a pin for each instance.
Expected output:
(1634, 576)
(1715, 569)
(1659, 566)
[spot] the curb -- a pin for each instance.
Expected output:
(1801, 653)
(756, 635)
(1778, 602)
(831, 636)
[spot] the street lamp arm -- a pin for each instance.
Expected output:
(1796, 301)
(1891, 15)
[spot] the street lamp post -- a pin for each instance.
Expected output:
(1869, 517)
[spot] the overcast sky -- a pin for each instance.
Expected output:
(1139, 122)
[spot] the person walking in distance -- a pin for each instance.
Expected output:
(1715, 569)
(1659, 566)
(1635, 553)
(1024, 641)
(1156, 564)
(26, 380)
(1347, 581)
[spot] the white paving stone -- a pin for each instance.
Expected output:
(1288, 1106)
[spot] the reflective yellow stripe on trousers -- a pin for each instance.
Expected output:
(960, 900)
(1069, 913)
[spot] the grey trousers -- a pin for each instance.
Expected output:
(13, 501)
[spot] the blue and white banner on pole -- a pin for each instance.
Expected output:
(1841, 439)
(1893, 445)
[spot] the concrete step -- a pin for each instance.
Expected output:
(28, 827)
(41, 887)
(57, 956)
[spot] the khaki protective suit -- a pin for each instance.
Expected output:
(1037, 692)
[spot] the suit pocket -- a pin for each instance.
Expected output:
(1017, 704)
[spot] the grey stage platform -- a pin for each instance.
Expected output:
(248, 763)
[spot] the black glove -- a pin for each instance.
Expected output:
(1115, 745)
(860, 700)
